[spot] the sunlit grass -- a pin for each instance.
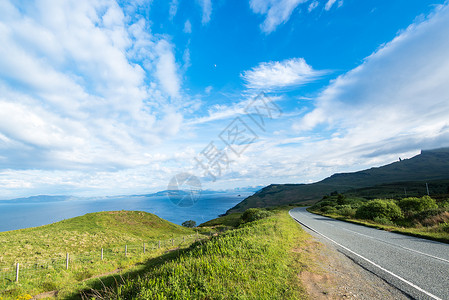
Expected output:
(41, 251)
(254, 261)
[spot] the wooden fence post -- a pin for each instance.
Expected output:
(17, 272)
(126, 250)
(67, 261)
(101, 253)
(159, 244)
(172, 242)
(143, 248)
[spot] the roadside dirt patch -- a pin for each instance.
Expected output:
(332, 275)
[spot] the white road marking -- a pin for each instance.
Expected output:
(371, 262)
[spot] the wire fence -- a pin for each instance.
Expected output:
(86, 264)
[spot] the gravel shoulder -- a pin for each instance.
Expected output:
(335, 276)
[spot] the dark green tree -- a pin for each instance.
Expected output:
(189, 224)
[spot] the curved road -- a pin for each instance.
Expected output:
(418, 267)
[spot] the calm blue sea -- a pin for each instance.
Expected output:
(23, 215)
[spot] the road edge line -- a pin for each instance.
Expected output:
(369, 261)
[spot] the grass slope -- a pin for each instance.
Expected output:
(89, 232)
(41, 251)
(430, 165)
(258, 260)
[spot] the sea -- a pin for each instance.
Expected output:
(42, 210)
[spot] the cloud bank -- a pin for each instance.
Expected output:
(275, 75)
(396, 100)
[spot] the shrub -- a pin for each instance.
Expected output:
(253, 214)
(189, 224)
(445, 227)
(444, 204)
(341, 199)
(347, 211)
(413, 204)
(383, 221)
(379, 208)
(328, 209)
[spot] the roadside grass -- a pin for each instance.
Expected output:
(41, 251)
(257, 260)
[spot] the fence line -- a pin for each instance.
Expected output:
(22, 271)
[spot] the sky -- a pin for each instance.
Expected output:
(106, 97)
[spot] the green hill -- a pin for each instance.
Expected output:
(85, 233)
(430, 165)
(97, 243)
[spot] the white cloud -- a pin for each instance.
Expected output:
(206, 7)
(81, 89)
(329, 4)
(188, 27)
(166, 69)
(397, 100)
(277, 12)
(312, 6)
(173, 8)
(274, 75)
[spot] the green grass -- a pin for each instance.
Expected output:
(85, 233)
(41, 251)
(231, 220)
(254, 261)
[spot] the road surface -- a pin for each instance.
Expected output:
(418, 267)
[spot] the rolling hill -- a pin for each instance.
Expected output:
(430, 165)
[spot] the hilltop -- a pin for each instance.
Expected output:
(85, 233)
(429, 165)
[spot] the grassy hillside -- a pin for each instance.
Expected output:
(41, 251)
(430, 165)
(257, 260)
(85, 233)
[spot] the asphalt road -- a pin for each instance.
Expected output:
(418, 267)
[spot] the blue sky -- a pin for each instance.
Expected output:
(109, 97)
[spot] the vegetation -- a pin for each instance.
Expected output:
(189, 224)
(85, 233)
(253, 261)
(254, 214)
(383, 209)
(424, 217)
(227, 221)
(413, 205)
(407, 177)
(41, 251)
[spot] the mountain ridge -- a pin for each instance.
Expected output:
(429, 165)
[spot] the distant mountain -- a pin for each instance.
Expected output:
(430, 165)
(41, 199)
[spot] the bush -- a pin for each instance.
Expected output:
(328, 209)
(387, 209)
(346, 211)
(253, 214)
(414, 205)
(445, 227)
(189, 224)
(444, 204)
(383, 221)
